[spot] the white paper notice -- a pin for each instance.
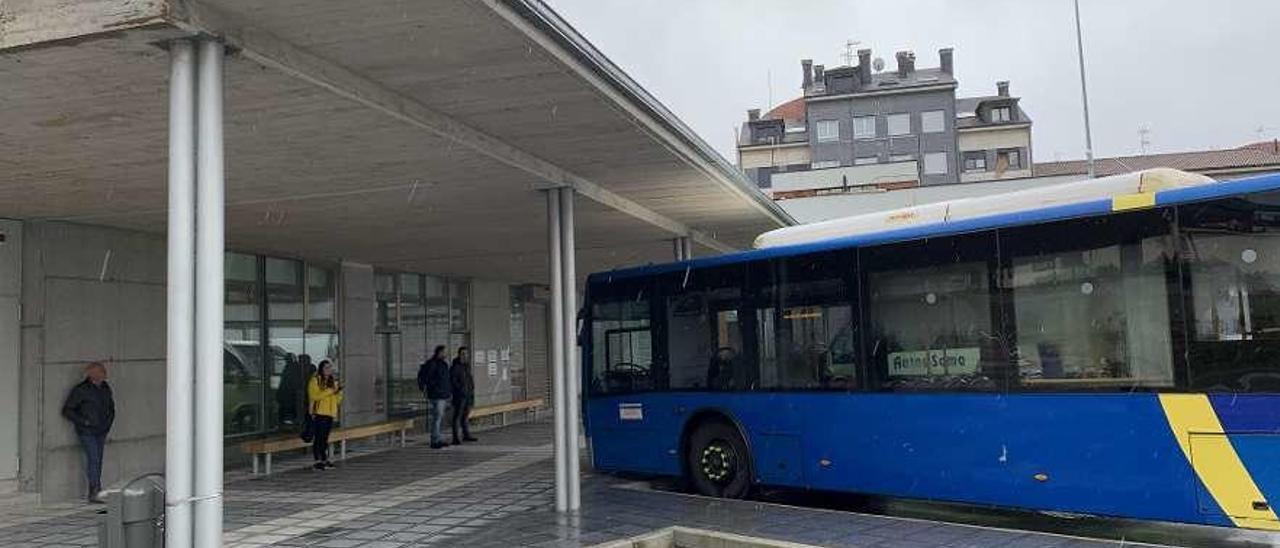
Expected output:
(493, 363)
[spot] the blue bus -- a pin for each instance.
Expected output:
(1114, 355)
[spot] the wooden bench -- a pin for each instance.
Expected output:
(269, 446)
(501, 410)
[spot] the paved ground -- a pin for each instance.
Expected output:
(498, 492)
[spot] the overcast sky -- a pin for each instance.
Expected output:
(1198, 74)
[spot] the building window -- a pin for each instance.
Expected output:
(899, 124)
(1001, 114)
(866, 160)
(1009, 159)
(902, 157)
(975, 161)
(827, 131)
(935, 163)
(825, 164)
(933, 121)
(864, 127)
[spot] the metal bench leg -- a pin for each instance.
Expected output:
(502, 419)
(255, 464)
(344, 450)
(401, 437)
(268, 455)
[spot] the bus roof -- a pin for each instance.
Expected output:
(1168, 191)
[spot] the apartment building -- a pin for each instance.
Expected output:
(860, 127)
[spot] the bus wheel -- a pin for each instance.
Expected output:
(718, 462)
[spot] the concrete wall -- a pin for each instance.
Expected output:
(10, 351)
(491, 331)
(91, 293)
(365, 399)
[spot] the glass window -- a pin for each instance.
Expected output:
(387, 302)
(975, 161)
(459, 306)
(622, 339)
(805, 323)
(1001, 114)
(400, 353)
(930, 312)
(287, 359)
(899, 124)
(1008, 158)
(825, 164)
(1090, 302)
(322, 291)
(1231, 249)
(704, 332)
(866, 160)
(243, 367)
(827, 130)
(935, 163)
(933, 121)
(864, 127)
(436, 296)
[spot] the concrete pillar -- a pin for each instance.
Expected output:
(180, 325)
(573, 377)
(557, 348)
(210, 288)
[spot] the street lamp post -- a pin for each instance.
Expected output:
(1084, 95)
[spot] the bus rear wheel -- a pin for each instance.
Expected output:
(718, 462)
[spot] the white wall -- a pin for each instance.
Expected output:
(491, 331)
(776, 156)
(987, 139)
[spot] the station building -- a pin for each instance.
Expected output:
(390, 174)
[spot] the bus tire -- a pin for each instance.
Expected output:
(718, 461)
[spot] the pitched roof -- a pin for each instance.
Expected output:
(1201, 160)
(790, 110)
(967, 107)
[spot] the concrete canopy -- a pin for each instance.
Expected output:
(407, 135)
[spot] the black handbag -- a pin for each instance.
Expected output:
(308, 427)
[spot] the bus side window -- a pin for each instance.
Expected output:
(622, 350)
(704, 334)
(805, 322)
(930, 315)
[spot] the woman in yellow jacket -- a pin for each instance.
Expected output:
(324, 393)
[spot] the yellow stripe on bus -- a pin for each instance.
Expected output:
(1215, 460)
(1133, 201)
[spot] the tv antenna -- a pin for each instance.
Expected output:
(849, 54)
(1144, 138)
(878, 64)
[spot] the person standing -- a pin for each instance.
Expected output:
(91, 408)
(325, 394)
(433, 381)
(464, 395)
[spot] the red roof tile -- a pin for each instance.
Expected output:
(1203, 160)
(790, 110)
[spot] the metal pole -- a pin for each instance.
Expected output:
(677, 249)
(181, 294)
(1084, 95)
(557, 348)
(210, 243)
(573, 378)
(687, 246)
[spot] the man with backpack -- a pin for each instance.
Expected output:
(435, 383)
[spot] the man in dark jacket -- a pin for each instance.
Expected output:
(91, 409)
(464, 395)
(434, 382)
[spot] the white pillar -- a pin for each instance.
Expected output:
(209, 298)
(181, 294)
(677, 249)
(557, 348)
(687, 246)
(573, 377)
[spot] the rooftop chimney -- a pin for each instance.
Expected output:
(945, 60)
(906, 63)
(864, 66)
(818, 72)
(753, 114)
(1002, 88)
(807, 66)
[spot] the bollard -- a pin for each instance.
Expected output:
(135, 514)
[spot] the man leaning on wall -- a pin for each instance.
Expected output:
(91, 409)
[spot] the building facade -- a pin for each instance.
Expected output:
(857, 127)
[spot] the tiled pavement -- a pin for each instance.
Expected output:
(499, 493)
